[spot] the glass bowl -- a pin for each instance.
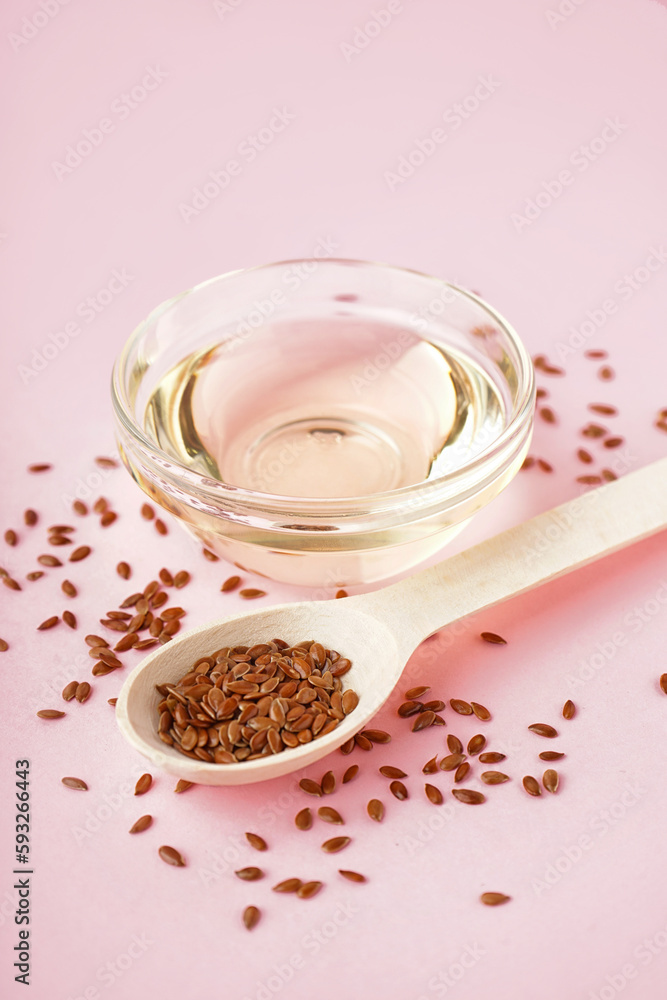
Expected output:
(324, 422)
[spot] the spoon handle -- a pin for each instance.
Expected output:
(548, 546)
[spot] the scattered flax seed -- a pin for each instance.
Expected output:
(69, 619)
(94, 641)
(49, 560)
(48, 623)
(251, 592)
(142, 824)
(423, 721)
(476, 744)
(50, 713)
(251, 917)
(462, 772)
(288, 885)
(433, 794)
(310, 787)
(328, 783)
(469, 796)
(211, 556)
(80, 508)
(351, 773)
(4, 645)
(398, 790)
(392, 772)
(547, 414)
(348, 746)
(40, 467)
(528, 462)
(68, 588)
(544, 465)
(309, 889)
(480, 711)
(59, 540)
(171, 856)
(160, 526)
(10, 582)
(551, 755)
(494, 777)
(569, 709)
(451, 762)
(123, 570)
(30, 517)
(550, 780)
(374, 735)
(531, 785)
(584, 456)
(491, 757)
(414, 693)
(80, 553)
(143, 784)
(166, 577)
(82, 692)
(375, 810)
(35, 575)
(613, 442)
(147, 512)
(352, 876)
(303, 819)
(604, 408)
(431, 766)
(593, 431)
(663, 683)
(256, 841)
(541, 729)
(78, 784)
(609, 476)
(494, 898)
(361, 741)
(541, 393)
(249, 874)
(408, 708)
(493, 637)
(589, 480)
(330, 815)
(231, 583)
(606, 373)
(11, 537)
(335, 844)
(340, 594)
(595, 354)
(454, 744)
(182, 786)
(434, 706)
(460, 707)
(108, 517)
(106, 463)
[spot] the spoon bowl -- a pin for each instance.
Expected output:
(379, 631)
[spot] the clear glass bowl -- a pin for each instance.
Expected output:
(324, 422)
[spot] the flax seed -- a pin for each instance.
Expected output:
(108, 517)
(462, 772)
(398, 790)
(361, 741)
(147, 512)
(78, 554)
(288, 885)
(142, 824)
(433, 794)
(569, 710)
(50, 713)
(531, 785)
(330, 815)
(550, 780)
(303, 819)
(375, 810)
(335, 844)
(69, 619)
(541, 729)
(480, 711)
(494, 898)
(392, 772)
(256, 841)
(431, 766)
(476, 744)
(68, 588)
(409, 708)
(75, 783)
(69, 691)
(351, 773)
(415, 693)
(308, 889)
(123, 570)
(493, 637)
(491, 757)
(143, 784)
(310, 786)
(48, 560)
(182, 786)
(231, 583)
(351, 876)
(249, 874)
(551, 755)
(40, 467)
(584, 456)
(469, 796)
(375, 735)
(460, 707)
(423, 721)
(80, 508)
(160, 526)
(250, 593)
(82, 692)
(171, 856)
(48, 623)
(35, 575)
(493, 777)
(30, 517)
(663, 683)
(251, 917)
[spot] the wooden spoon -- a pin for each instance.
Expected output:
(379, 631)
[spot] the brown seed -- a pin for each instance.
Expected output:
(434, 706)
(288, 885)
(551, 755)
(348, 746)
(142, 824)
(606, 373)
(310, 786)
(303, 819)
(4, 645)
(211, 556)
(414, 693)
(11, 583)
(328, 783)
(40, 467)
(550, 780)
(108, 517)
(377, 735)
(308, 889)
(249, 874)
(30, 517)
(584, 456)
(493, 637)
(171, 856)
(491, 757)
(431, 766)
(147, 512)
(595, 354)
(106, 463)
(351, 876)
(341, 593)
(350, 701)
(69, 619)
(250, 593)
(375, 810)
(493, 777)
(392, 772)
(454, 744)
(589, 480)
(462, 772)
(59, 540)
(251, 917)
(95, 640)
(460, 707)
(69, 691)
(76, 783)
(68, 588)
(48, 623)
(48, 560)
(475, 744)
(143, 784)
(361, 741)
(541, 729)
(409, 708)
(423, 721)
(494, 898)
(182, 786)
(398, 790)
(569, 709)
(80, 553)
(469, 796)
(82, 692)
(231, 583)
(50, 713)
(604, 408)
(593, 431)
(123, 570)
(547, 414)
(451, 762)
(330, 815)
(480, 711)
(610, 476)
(433, 794)
(335, 844)
(160, 526)
(613, 442)
(256, 841)
(79, 507)
(663, 683)
(35, 575)
(181, 579)
(351, 773)
(166, 577)
(531, 785)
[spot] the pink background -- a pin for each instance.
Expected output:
(585, 868)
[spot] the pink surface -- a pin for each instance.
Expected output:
(584, 868)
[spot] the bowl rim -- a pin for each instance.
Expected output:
(219, 492)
